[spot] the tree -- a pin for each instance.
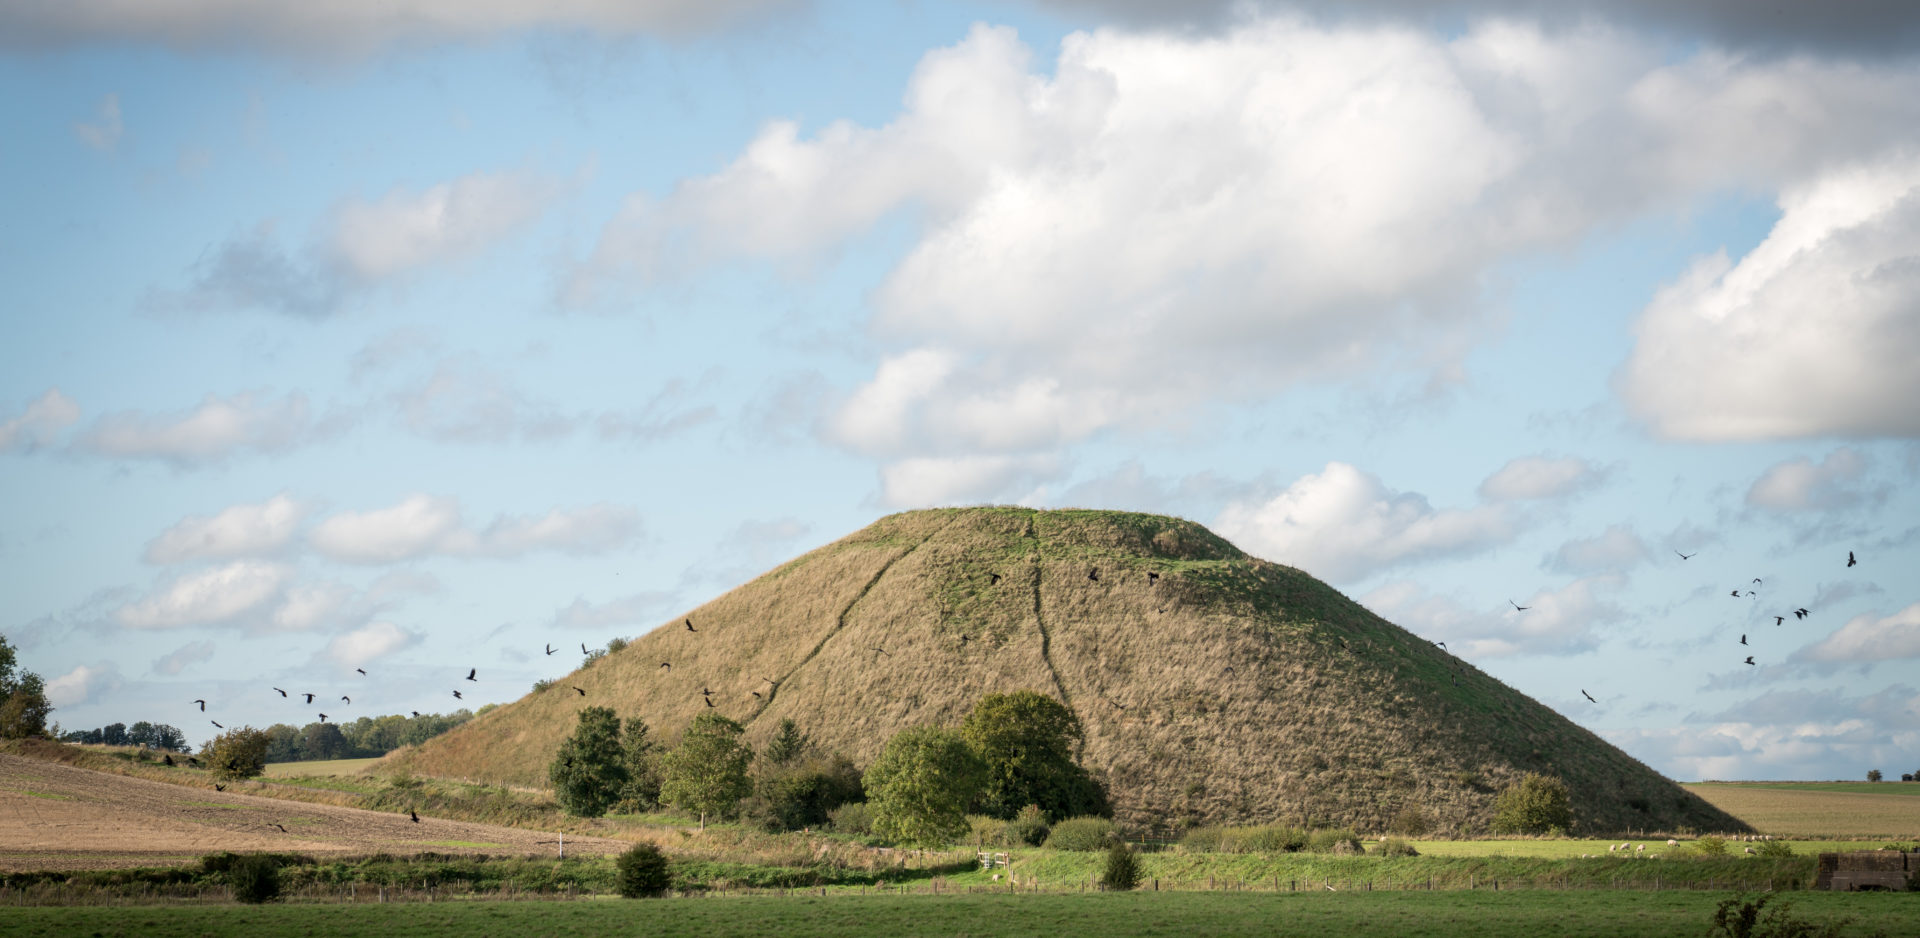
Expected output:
(804, 792)
(237, 753)
(919, 788)
(1027, 741)
(590, 769)
(1122, 870)
(707, 772)
(114, 734)
(324, 741)
(1537, 805)
(642, 872)
(23, 698)
(788, 744)
(642, 791)
(1873, 775)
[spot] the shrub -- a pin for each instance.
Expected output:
(1873, 775)
(1260, 838)
(1772, 849)
(237, 753)
(803, 791)
(1029, 827)
(1336, 841)
(615, 644)
(1122, 871)
(254, 878)
(989, 831)
(1711, 846)
(1081, 833)
(852, 818)
(1395, 847)
(1740, 917)
(1410, 821)
(1537, 805)
(642, 872)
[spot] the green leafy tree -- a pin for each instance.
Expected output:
(919, 788)
(1537, 805)
(642, 791)
(324, 741)
(591, 768)
(23, 698)
(1122, 870)
(283, 743)
(804, 792)
(1873, 775)
(707, 772)
(1027, 741)
(114, 734)
(788, 744)
(642, 872)
(237, 753)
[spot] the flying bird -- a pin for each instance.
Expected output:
(1686, 556)
(882, 651)
(1749, 659)
(1583, 693)
(1517, 607)
(346, 698)
(1441, 644)
(167, 759)
(282, 829)
(1094, 574)
(993, 579)
(471, 672)
(203, 705)
(709, 700)
(414, 815)
(216, 723)
(456, 694)
(583, 649)
(309, 697)
(690, 627)
(754, 693)
(282, 693)
(1850, 560)
(219, 787)
(416, 714)
(666, 664)
(1801, 613)
(579, 691)
(549, 648)
(1153, 579)
(1778, 620)
(1756, 579)
(323, 718)
(363, 671)
(1743, 639)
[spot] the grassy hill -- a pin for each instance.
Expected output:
(1224, 688)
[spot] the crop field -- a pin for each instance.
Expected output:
(1398, 915)
(322, 767)
(1820, 809)
(55, 816)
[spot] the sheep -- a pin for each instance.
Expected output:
(1672, 843)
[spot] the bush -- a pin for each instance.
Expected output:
(1538, 805)
(1395, 847)
(1711, 846)
(1772, 849)
(1029, 827)
(1336, 841)
(987, 831)
(1410, 821)
(1081, 833)
(852, 818)
(1740, 917)
(1873, 775)
(254, 878)
(642, 872)
(237, 753)
(1260, 838)
(1122, 871)
(803, 791)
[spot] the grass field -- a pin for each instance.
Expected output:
(322, 767)
(1820, 809)
(1390, 915)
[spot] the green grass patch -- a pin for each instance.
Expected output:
(1390, 915)
(1858, 788)
(319, 767)
(50, 796)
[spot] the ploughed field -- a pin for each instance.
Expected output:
(58, 817)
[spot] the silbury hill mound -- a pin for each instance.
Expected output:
(1213, 686)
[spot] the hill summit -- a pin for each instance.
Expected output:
(1213, 686)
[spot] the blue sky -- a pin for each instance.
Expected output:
(413, 338)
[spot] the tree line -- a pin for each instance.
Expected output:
(364, 738)
(150, 735)
(1015, 752)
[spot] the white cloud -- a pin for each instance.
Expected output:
(309, 606)
(1800, 484)
(224, 594)
(950, 480)
(80, 685)
(465, 403)
(104, 133)
(179, 659)
(622, 610)
(219, 428)
(1556, 622)
(376, 640)
(1537, 477)
(1811, 334)
(1343, 524)
(407, 230)
(238, 531)
(1613, 550)
(1168, 220)
(1787, 734)
(38, 424)
(1867, 638)
(353, 27)
(423, 525)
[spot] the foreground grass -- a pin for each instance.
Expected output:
(1390, 915)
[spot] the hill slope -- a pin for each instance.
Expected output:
(1226, 689)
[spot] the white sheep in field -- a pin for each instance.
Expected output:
(1639, 848)
(1749, 851)
(1672, 843)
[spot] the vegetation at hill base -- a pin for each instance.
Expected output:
(141, 733)
(919, 788)
(590, 773)
(238, 753)
(1536, 805)
(1204, 685)
(707, 772)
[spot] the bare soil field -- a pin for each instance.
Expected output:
(58, 817)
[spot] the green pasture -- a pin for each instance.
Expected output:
(1346, 915)
(318, 767)
(1856, 788)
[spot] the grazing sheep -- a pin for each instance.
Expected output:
(1672, 843)
(1749, 850)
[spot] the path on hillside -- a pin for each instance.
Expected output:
(59, 817)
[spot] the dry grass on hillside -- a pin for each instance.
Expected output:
(1230, 689)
